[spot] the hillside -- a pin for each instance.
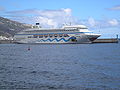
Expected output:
(9, 27)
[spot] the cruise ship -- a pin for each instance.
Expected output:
(72, 34)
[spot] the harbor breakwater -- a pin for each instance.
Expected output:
(106, 40)
(6, 41)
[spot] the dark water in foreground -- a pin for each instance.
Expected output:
(64, 67)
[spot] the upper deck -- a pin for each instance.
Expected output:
(64, 29)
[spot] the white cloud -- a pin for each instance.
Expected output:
(102, 23)
(115, 8)
(67, 11)
(44, 21)
(91, 21)
(46, 18)
(113, 22)
(56, 18)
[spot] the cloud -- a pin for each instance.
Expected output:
(115, 8)
(48, 13)
(56, 18)
(103, 23)
(46, 18)
(91, 21)
(24, 12)
(113, 22)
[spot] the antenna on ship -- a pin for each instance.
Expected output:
(70, 23)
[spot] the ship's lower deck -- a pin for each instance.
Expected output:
(56, 39)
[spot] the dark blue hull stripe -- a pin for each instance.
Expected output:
(57, 40)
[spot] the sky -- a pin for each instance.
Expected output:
(100, 16)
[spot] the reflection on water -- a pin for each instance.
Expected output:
(71, 66)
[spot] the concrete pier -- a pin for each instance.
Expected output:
(108, 40)
(6, 41)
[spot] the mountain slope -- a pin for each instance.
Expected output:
(9, 27)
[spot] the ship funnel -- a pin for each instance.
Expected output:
(37, 23)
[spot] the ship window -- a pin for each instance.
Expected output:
(55, 35)
(40, 36)
(29, 36)
(35, 36)
(60, 35)
(45, 36)
(50, 35)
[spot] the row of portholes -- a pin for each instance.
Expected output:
(49, 35)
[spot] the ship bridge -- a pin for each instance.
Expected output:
(80, 28)
(75, 27)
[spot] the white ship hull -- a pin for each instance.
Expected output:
(57, 36)
(60, 40)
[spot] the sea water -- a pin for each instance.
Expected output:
(61, 66)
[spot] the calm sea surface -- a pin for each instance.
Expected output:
(64, 67)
